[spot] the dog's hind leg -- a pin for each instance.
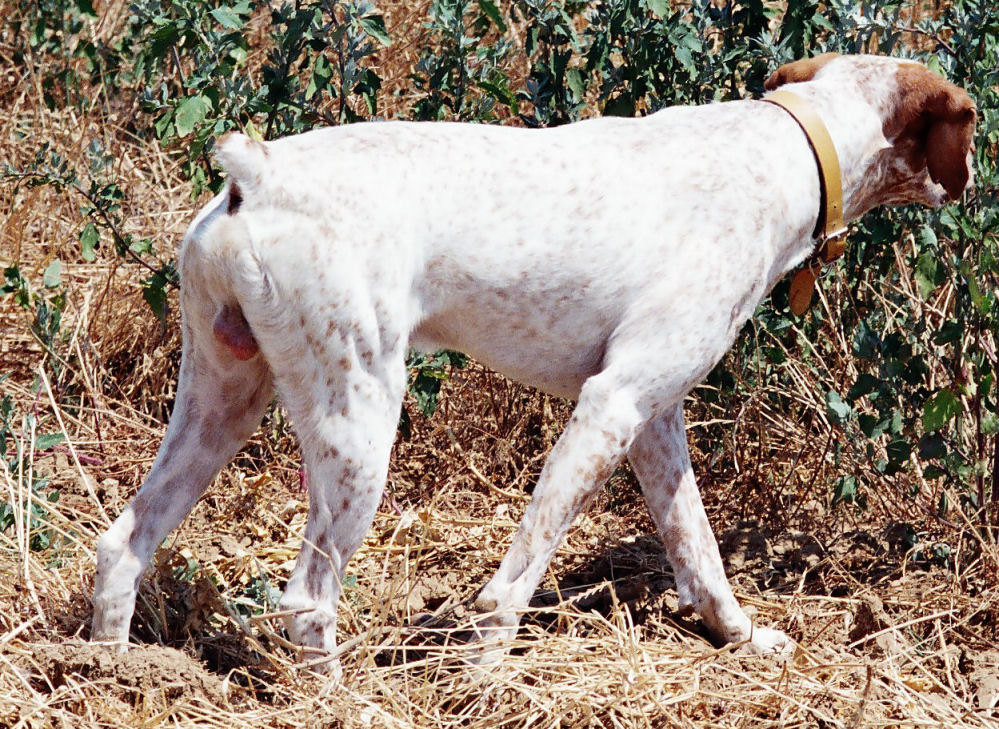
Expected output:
(343, 393)
(223, 390)
(661, 461)
(219, 404)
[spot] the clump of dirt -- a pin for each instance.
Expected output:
(151, 673)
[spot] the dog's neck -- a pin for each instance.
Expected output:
(875, 170)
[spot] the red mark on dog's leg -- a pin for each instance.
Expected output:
(232, 330)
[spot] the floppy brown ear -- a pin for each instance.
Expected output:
(947, 146)
(946, 114)
(797, 71)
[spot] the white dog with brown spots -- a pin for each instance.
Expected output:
(612, 261)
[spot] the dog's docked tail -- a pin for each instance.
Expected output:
(243, 160)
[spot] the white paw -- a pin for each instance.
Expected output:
(770, 642)
(328, 668)
(490, 637)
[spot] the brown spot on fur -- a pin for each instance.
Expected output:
(798, 71)
(314, 576)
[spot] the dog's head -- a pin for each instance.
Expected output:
(924, 151)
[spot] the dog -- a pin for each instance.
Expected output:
(612, 261)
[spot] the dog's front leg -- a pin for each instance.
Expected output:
(593, 444)
(661, 461)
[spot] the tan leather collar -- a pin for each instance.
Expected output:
(830, 229)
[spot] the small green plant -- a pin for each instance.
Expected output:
(102, 211)
(427, 372)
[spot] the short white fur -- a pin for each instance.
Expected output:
(611, 261)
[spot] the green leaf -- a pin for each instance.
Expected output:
(927, 274)
(940, 410)
(322, 72)
(142, 246)
(47, 440)
(227, 18)
(845, 490)
(839, 411)
(374, 26)
(190, 112)
(865, 385)
(154, 292)
(659, 7)
(866, 342)
(490, 9)
(501, 94)
(53, 274)
(926, 238)
(686, 59)
(872, 426)
(898, 450)
(162, 124)
(574, 79)
(89, 238)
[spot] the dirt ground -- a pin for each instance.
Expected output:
(882, 640)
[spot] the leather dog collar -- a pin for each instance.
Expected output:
(830, 229)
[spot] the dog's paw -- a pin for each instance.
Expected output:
(114, 645)
(328, 668)
(769, 642)
(489, 638)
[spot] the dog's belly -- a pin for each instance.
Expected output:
(557, 361)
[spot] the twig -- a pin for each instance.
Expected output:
(933, 36)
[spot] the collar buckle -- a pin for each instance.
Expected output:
(833, 245)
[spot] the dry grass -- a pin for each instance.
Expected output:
(882, 641)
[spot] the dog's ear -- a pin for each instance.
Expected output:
(797, 71)
(940, 115)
